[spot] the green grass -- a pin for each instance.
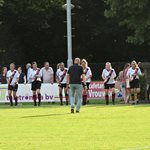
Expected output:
(97, 127)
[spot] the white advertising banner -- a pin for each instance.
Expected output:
(49, 93)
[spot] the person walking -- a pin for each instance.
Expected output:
(75, 76)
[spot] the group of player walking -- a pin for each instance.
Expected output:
(129, 79)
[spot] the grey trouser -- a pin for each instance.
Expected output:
(75, 91)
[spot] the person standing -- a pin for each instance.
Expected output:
(12, 80)
(22, 77)
(62, 82)
(47, 73)
(108, 75)
(29, 70)
(88, 75)
(3, 78)
(125, 88)
(74, 75)
(35, 78)
(133, 74)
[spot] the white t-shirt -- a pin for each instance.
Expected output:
(131, 73)
(47, 74)
(106, 73)
(33, 73)
(62, 75)
(87, 71)
(29, 70)
(13, 76)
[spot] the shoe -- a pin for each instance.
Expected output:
(77, 111)
(72, 110)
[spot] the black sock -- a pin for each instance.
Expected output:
(107, 99)
(39, 98)
(113, 98)
(10, 99)
(34, 99)
(16, 101)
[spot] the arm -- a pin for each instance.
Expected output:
(103, 76)
(68, 80)
(90, 74)
(139, 72)
(52, 78)
(25, 81)
(84, 79)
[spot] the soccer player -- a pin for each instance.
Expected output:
(88, 76)
(62, 82)
(35, 77)
(108, 75)
(133, 74)
(12, 80)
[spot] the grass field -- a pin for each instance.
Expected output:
(97, 127)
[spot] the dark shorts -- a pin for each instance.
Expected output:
(87, 84)
(109, 86)
(35, 85)
(13, 88)
(63, 85)
(135, 84)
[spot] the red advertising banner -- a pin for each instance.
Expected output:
(96, 91)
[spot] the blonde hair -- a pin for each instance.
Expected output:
(108, 63)
(84, 61)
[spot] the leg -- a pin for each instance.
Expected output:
(113, 95)
(34, 98)
(138, 94)
(39, 96)
(72, 96)
(10, 97)
(79, 96)
(127, 95)
(123, 90)
(66, 95)
(132, 95)
(60, 95)
(107, 96)
(84, 97)
(15, 98)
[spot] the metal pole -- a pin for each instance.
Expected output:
(69, 34)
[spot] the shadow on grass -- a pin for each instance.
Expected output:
(29, 106)
(48, 115)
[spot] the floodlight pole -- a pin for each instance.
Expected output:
(69, 34)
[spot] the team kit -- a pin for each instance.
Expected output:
(128, 78)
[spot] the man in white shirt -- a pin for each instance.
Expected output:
(29, 69)
(12, 80)
(47, 73)
(62, 82)
(35, 78)
(108, 75)
(133, 74)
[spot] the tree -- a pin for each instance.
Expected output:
(133, 14)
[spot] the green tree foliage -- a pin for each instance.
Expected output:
(135, 15)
